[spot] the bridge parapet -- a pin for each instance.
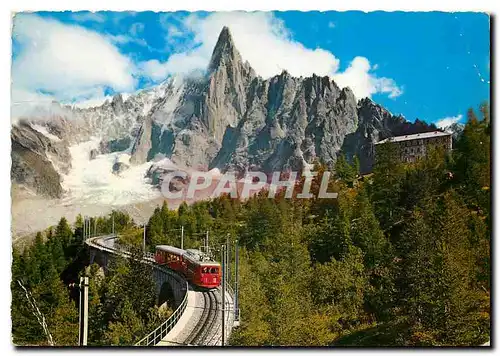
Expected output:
(106, 244)
(161, 331)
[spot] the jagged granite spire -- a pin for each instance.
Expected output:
(230, 119)
(229, 78)
(224, 51)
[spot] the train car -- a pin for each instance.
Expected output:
(195, 265)
(170, 256)
(200, 270)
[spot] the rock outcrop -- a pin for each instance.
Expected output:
(93, 153)
(374, 124)
(119, 167)
(38, 159)
(229, 118)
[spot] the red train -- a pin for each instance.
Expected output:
(195, 265)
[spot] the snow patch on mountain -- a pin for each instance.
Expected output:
(93, 181)
(43, 130)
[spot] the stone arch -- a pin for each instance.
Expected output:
(166, 295)
(100, 258)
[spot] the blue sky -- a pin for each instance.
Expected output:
(423, 65)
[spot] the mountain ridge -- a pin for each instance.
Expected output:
(229, 119)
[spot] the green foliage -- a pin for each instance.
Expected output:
(132, 236)
(398, 259)
(121, 304)
(473, 162)
(339, 286)
(436, 281)
(38, 270)
(387, 186)
(345, 171)
(402, 257)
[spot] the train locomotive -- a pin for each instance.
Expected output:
(194, 265)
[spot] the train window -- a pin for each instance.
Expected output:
(204, 270)
(213, 270)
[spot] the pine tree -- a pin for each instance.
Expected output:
(154, 231)
(418, 272)
(96, 314)
(79, 227)
(344, 171)
(339, 286)
(255, 329)
(463, 322)
(388, 175)
(127, 329)
(473, 162)
(366, 233)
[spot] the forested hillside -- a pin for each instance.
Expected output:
(121, 303)
(402, 257)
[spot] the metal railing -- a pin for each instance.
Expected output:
(155, 336)
(161, 331)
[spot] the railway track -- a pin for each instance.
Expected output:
(216, 337)
(205, 327)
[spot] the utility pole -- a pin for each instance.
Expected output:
(236, 303)
(223, 265)
(144, 239)
(228, 259)
(84, 307)
(84, 228)
(182, 237)
(95, 227)
(206, 244)
(87, 230)
(113, 229)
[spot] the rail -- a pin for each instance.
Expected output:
(161, 331)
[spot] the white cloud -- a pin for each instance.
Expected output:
(359, 77)
(118, 39)
(26, 103)
(154, 70)
(74, 64)
(123, 39)
(93, 102)
(173, 31)
(85, 16)
(261, 39)
(136, 29)
(66, 61)
(447, 121)
(266, 44)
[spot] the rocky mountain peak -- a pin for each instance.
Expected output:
(224, 51)
(117, 99)
(229, 78)
(230, 119)
(117, 103)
